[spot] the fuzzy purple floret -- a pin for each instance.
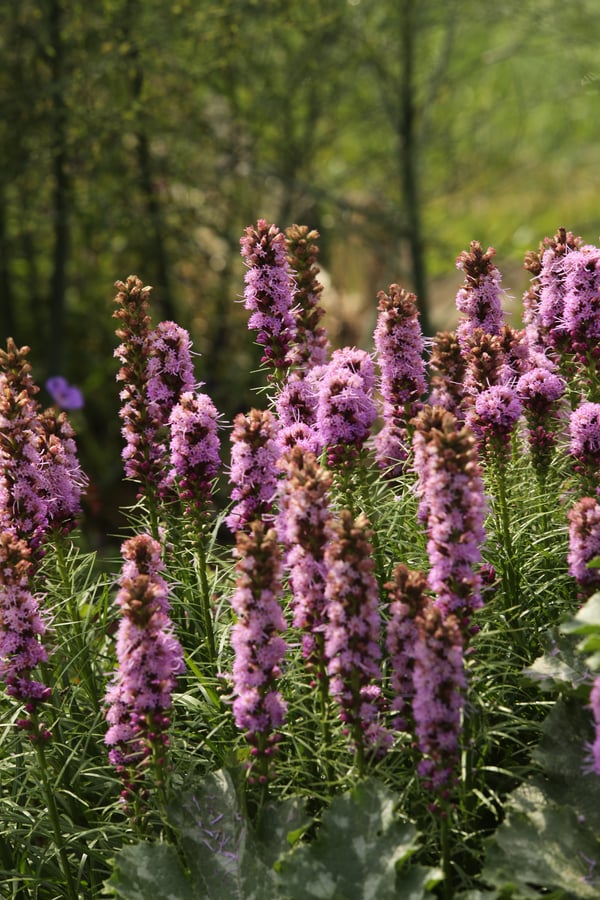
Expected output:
(346, 409)
(194, 446)
(255, 449)
(497, 411)
(64, 395)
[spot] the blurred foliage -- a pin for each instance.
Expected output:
(142, 136)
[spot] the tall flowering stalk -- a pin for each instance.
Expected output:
(149, 659)
(258, 708)
(311, 342)
(551, 305)
(254, 453)
(269, 294)
(346, 409)
(584, 543)
(302, 526)
(400, 347)
(480, 297)
(352, 634)
(439, 696)
(540, 391)
(451, 495)
(408, 600)
(584, 432)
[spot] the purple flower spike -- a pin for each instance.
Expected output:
(550, 310)
(302, 528)
(453, 509)
(408, 600)
(352, 633)
(581, 314)
(448, 368)
(584, 430)
(64, 395)
(312, 345)
(346, 409)
(400, 346)
(595, 707)
(259, 709)
(254, 453)
(194, 448)
(62, 477)
(149, 660)
(584, 542)
(439, 685)
(480, 297)
(269, 293)
(169, 369)
(540, 391)
(495, 415)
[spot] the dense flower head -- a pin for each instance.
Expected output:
(540, 391)
(64, 395)
(448, 368)
(400, 346)
(304, 513)
(584, 431)
(352, 631)
(254, 453)
(550, 310)
(480, 297)
(62, 477)
(169, 369)
(486, 363)
(453, 508)
(259, 709)
(408, 598)
(296, 402)
(595, 707)
(496, 413)
(194, 446)
(539, 388)
(581, 312)
(269, 292)
(584, 541)
(149, 659)
(22, 626)
(311, 346)
(346, 409)
(23, 501)
(439, 697)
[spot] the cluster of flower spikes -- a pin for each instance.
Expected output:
(149, 659)
(452, 507)
(346, 409)
(400, 346)
(156, 368)
(303, 514)
(194, 450)
(269, 293)
(258, 708)
(311, 344)
(254, 453)
(352, 632)
(408, 599)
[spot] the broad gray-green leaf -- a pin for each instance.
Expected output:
(356, 851)
(586, 620)
(542, 845)
(280, 826)
(561, 665)
(148, 871)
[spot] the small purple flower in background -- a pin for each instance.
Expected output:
(259, 709)
(584, 431)
(408, 599)
(269, 293)
(346, 409)
(64, 395)
(311, 343)
(439, 685)
(494, 417)
(595, 707)
(540, 391)
(584, 543)
(453, 509)
(302, 528)
(400, 347)
(149, 659)
(254, 453)
(447, 367)
(352, 634)
(480, 297)
(22, 629)
(194, 448)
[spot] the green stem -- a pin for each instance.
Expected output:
(446, 860)
(206, 610)
(54, 818)
(510, 575)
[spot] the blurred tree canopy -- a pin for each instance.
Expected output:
(142, 136)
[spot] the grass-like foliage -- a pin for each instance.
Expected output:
(358, 660)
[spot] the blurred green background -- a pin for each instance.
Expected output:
(142, 136)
